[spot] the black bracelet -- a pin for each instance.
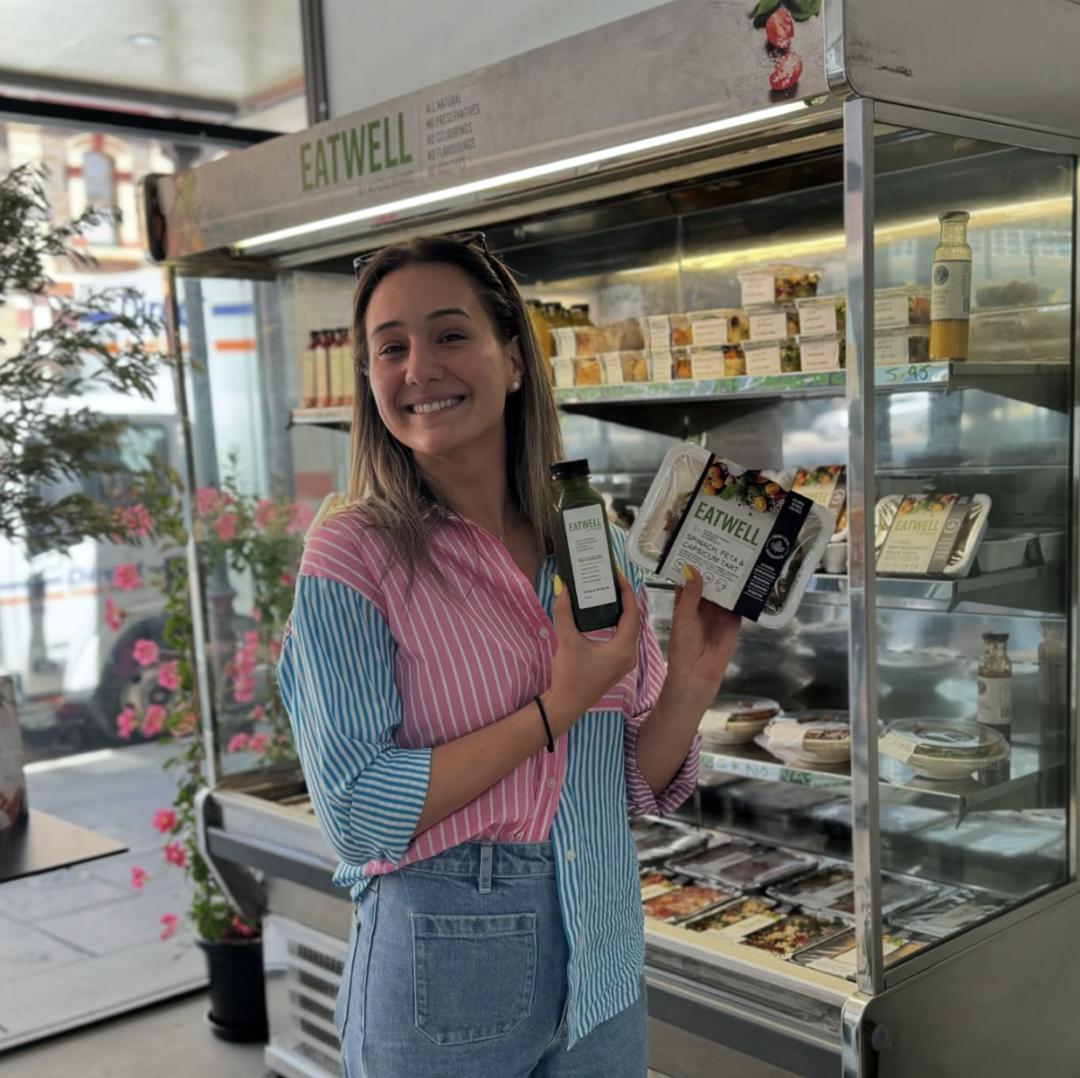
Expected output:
(544, 720)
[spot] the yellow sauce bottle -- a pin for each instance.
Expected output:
(950, 294)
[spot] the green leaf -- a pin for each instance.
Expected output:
(766, 7)
(802, 10)
(728, 493)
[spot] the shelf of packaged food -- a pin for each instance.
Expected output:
(331, 418)
(1043, 384)
(1022, 788)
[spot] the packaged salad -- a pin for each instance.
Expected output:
(755, 544)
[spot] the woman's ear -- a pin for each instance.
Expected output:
(517, 362)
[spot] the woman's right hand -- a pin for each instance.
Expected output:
(585, 668)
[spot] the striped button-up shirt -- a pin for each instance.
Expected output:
(375, 673)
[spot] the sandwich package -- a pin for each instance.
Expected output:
(755, 544)
(12, 783)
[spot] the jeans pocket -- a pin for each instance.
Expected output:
(473, 977)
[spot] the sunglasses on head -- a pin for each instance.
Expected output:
(466, 239)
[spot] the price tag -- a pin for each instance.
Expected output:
(899, 748)
(768, 326)
(657, 332)
(820, 355)
(758, 288)
(565, 341)
(762, 360)
(611, 362)
(818, 320)
(890, 312)
(709, 332)
(564, 373)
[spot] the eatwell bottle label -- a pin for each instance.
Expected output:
(590, 557)
(950, 296)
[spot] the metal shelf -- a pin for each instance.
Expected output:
(330, 418)
(1023, 789)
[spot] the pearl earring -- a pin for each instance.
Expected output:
(515, 386)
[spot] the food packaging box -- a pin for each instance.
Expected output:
(899, 825)
(817, 890)
(1003, 550)
(778, 284)
(896, 894)
(947, 750)
(657, 840)
(738, 529)
(682, 333)
(898, 308)
(822, 353)
(655, 882)
(1012, 293)
(1052, 546)
(685, 901)
(656, 332)
(765, 358)
(762, 867)
(794, 933)
(936, 535)
(736, 920)
(821, 738)
(588, 372)
(721, 361)
(773, 321)
(725, 325)
(783, 802)
(950, 913)
(822, 316)
(13, 807)
(825, 486)
(633, 366)
(706, 864)
(837, 956)
(733, 720)
(900, 347)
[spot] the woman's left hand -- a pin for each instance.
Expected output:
(703, 638)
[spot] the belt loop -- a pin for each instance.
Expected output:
(485, 868)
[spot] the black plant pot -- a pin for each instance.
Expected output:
(237, 991)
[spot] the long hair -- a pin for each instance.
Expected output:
(384, 482)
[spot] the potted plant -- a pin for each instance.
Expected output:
(260, 538)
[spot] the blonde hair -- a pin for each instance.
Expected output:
(384, 482)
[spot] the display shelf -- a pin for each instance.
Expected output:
(1023, 788)
(330, 418)
(1043, 384)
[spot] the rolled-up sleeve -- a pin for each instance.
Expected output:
(651, 671)
(336, 674)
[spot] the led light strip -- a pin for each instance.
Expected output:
(507, 179)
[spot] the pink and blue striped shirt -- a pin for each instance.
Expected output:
(374, 675)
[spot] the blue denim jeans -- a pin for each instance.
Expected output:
(456, 968)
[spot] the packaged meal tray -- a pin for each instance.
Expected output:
(898, 825)
(781, 801)
(949, 913)
(706, 864)
(809, 737)
(734, 720)
(947, 750)
(822, 353)
(762, 867)
(691, 898)
(793, 933)
(1008, 845)
(900, 347)
(734, 921)
(822, 316)
(936, 535)
(897, 308)
(773, 321)
(831, 881)
(764, 358)
(726, 325)
(657, 840)
(896, 894)
(837, 956)
(778, 284)
(744, 533)
(655, 882)
(719, 361)
(827, 486)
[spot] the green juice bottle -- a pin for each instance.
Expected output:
(583, 547)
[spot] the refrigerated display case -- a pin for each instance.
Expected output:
(917, 904)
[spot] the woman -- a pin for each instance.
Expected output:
(472, 768)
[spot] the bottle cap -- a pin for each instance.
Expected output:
(570, 469)
(996, 638)
(954, 215)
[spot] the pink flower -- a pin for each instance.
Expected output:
(242, 929)
(255, 615)
(265, 513)
(286, 580)
(225, 527)
(251, 638)
(257, 743)
(136, 521)
(184, 725)
(114, 616)
(258, 713)
(154, 720)
(206, 500)
(237, 743)
(174, 854)
(169, 922)
(300, 518)
(126, 723)
(138, 877)
(145, 652)
(275, 650)
(167, 676)
(126, 578)
(164, 821)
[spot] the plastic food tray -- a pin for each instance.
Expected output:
(657, 840)
(943, 749)
(971, 534)
(794, 933)
(734, 921)
(764, 868)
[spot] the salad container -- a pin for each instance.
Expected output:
(778, 284)
(935, 535)
(822, 316)
(755, 544)
(773, 321)
(734, 720)
(898, 308)
(944, 749)
(726, 325)
(812, 737)
(899, 347)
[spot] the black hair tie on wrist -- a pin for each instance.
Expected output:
(544, 720)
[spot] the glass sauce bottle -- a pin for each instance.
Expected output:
(995, 684)
(950, 294)
(583, 547)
